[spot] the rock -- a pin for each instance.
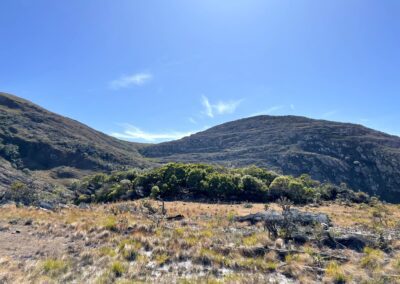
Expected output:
(13, 222)
(84, 206)
(3, 229)
(298, 217)
(300, 239)
(46, 205)
(176, 217)
(353, 242)
(103, 235)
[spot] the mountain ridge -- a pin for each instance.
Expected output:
(364, 158)
(54, 148)
(34, 141)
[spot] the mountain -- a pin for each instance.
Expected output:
(41, 147)
(38, 144)
(365, 159)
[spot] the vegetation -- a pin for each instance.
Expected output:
(77, 245)
(205, 182)
(21, 193)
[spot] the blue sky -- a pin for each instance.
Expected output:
(156, 70)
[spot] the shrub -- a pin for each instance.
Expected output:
(129, 253)
(21, 193)
(279, 188)
(253, 189)
(336, 273)
(265, 176)
(223, 186)
(117, 268)
(54, 267)
(195, 180)
(177, 181)
(111, 224)
(373, 258)
(296, 191)
(155, 192)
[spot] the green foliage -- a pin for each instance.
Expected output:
(21, 193)
(11, 153)
(199, 181)
(223, 186)
(155, 192)
(54, 267)
(117, 268)
(262, 174)
(253, 188)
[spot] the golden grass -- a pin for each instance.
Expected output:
(207, 238)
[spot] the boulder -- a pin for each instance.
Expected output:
(296, 216)
(354, 242)
(45, 205)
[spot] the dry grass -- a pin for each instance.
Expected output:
(120, 242)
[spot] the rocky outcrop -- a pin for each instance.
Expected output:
(365, 159)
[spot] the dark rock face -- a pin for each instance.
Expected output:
(365, 159)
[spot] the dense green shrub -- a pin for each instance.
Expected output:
(253, 189)
(198, 181)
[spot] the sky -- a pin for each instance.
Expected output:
(156, 70)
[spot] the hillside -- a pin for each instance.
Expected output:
(363, 158)
(34, 141)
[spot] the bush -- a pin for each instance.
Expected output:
(11, 153)
(253, 189)
(155, 192)
(21, 193)
(223, 186)
(195, 180)
(182, 181)
(117, 268)
(279, 188)
(265, 176)
(54, 267)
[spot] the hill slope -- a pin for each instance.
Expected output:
(365, 159)
(38, 140)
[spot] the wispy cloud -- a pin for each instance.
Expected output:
(126, 81)
(220, 107)
(192, 120)
(292, 107)
(329, 114)
(270, 110)
(134, 133)
(208, 110)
